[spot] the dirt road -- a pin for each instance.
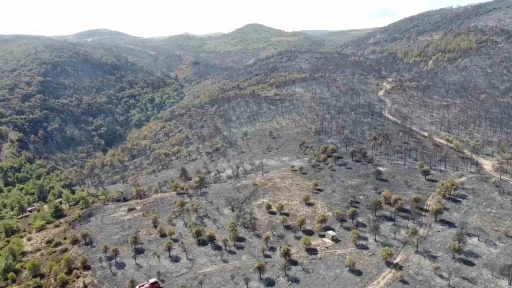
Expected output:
(484, 162)
(389, 274)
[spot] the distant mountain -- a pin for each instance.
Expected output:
(203, 35)
(315, 32)
(340, 37)
(94, 34)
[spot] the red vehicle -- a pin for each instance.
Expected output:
(151, 283)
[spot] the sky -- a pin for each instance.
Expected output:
(148, 18)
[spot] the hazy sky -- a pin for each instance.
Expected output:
(169, 17)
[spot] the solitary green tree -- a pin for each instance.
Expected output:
(280, 208)
(386, 253)
(283, 220)
(306, 242)
(85, 236)
(114, 252)
(154, 221)
(286, 252)
(261, 268)
(105, 249)
(436, 209)
(455, 248)
(168, 247)
(306, 198)
(352, 214)
(33, 268)
(350, 263)
(321, 219)
(355, 236)
(425, 172)
(301, 221)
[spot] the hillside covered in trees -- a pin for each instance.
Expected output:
(261, 158)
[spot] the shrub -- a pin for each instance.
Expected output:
(11, 277)
(62, 280)
(34, 283)
(33, 268)
(39, 225)
(56, 244)
(73, 239)
(350, 263)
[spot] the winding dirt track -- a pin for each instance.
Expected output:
(484, 162)
(389, 274)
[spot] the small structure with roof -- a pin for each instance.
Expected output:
(331, 235)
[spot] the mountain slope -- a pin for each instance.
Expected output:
(62, 96)
(452, 63)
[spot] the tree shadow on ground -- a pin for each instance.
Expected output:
(267, 256)
(432, 180)
(269, 282)
(139, 250)
(294, 279)
(319, 190)
(239, 247)
(466, 262)
(311, 251)
(356, 272)
(308, 232)
(120, 265)
(471, 254)
(364, 238)
(271, 212)
(329, 228)
(175, 259)
(293, 262)
(404, 282)
(386, 218)
(216, 247)
(310, 204)
(447, 223)
(362, 246)
(453, 200)
(86, 267)
(285, 214)
(404, 210)
(241, 239)
(231, 252)
(383, 180)
(428, 255)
